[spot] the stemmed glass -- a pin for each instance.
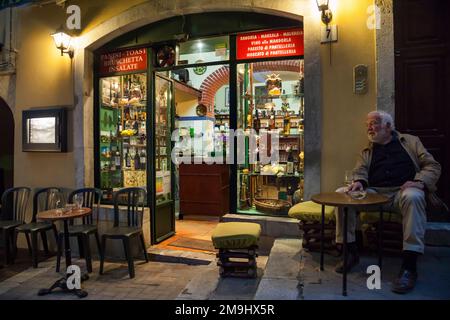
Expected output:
(348, 179)
(78, 201)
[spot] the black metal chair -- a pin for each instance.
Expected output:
(133, 200)
(14, 209)
(43, 200)
(89, 226)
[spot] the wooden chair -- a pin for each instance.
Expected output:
(88, 226)
(43, 200)
(133, 200)
(14, 208)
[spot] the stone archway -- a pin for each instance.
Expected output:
(6, 147)
(153, 11)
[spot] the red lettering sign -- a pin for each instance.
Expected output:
(123, 61)
(270, 44)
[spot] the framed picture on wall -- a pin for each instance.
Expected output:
(44, 130)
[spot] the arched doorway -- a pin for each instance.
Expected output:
(6, 147)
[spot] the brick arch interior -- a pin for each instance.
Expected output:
(220, 77)
(6, 147)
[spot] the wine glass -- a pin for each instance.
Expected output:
(348, 178)
(78, 201)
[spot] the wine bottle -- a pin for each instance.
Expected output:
(256, 122)
(290, 162)
(127, 159)
(117, 160)
(287, 124)
(257, 164)
(137, 161)
(143, 160)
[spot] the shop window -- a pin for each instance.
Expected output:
(271, 113)
(123, 132)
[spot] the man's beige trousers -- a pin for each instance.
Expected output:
(410, 203)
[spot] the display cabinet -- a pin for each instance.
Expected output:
(123, 133)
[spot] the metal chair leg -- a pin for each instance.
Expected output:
(141, 237)
(30, 248)
(44, 241)
(97, 240)
(34, 249)
(80, 247)
(59, 242)
(129, 256)
(87, 253)
(102, 254)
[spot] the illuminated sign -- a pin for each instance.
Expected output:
(270, 44)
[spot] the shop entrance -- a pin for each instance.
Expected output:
(169, 100)
(6, 147)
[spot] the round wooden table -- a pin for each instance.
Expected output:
(345, 201)
(65, 216)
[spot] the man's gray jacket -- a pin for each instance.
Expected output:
(428, 170)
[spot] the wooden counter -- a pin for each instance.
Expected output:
(204, 189)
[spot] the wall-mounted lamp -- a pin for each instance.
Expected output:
(327, 15)
(63, 42)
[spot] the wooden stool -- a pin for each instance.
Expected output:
(237, 243)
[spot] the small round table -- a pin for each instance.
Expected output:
(372, 200)
(60, 215)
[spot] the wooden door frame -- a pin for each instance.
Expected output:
(7, 123)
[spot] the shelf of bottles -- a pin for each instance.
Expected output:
(163, 99)
(123, 133)
(273, 109)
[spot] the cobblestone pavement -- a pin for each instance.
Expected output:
(154, 280)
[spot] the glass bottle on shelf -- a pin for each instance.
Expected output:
(137, 161)
(117, 160)
(257, 164)
(143, 159)
(272, 121)
(290, 161)
(256, 121)
(287, 124)
(127, 159)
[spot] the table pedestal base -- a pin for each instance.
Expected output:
(62, 284)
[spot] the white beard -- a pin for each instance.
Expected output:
(377, 137)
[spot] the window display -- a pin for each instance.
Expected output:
(123, 133)
(271, 113)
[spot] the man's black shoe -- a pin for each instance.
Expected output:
(352, 261)
(405, 281)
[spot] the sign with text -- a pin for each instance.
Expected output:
(270, 44)
(123, 61)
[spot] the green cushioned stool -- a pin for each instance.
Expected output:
(309, 211)
(237, 240)
(309, 215)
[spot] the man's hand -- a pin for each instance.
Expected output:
(355, 186)
(412, 184)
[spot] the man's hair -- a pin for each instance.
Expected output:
(385, 118)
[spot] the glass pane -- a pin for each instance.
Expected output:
(202, 114)
(271, 113)
(123, 133)
(204, 50)
(163, 99)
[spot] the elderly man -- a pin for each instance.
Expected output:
(398, 166)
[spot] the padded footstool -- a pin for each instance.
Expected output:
(237, 243)
(309, 215)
